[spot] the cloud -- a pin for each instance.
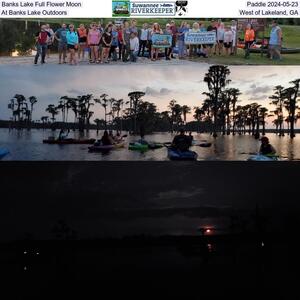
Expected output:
(261, 97)
(256, 90)
(153, 92)
(270, 75)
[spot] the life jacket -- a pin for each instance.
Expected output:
(249, 35)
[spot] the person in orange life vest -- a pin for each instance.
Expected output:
(249, 39)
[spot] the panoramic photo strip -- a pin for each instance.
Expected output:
(148, 41)
(129, 112)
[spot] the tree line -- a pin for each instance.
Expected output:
(219, 113)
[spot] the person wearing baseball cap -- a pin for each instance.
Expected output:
(266, 148)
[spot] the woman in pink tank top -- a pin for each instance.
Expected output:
(94, 37)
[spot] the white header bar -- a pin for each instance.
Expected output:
(149, 9)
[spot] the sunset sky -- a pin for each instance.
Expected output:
(160, 82)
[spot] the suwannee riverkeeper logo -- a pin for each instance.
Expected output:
(126, 8)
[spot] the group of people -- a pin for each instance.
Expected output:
(127, 42)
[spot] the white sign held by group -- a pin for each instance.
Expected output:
(196, 38)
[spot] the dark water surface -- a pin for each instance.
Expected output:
(27, 145)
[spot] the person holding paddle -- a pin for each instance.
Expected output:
(266, 148)
(181, 142)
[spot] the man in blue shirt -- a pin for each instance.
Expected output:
(275, 41)
(61, 37)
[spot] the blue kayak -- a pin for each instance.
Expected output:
(3, 152)
(260, 157)
(175, 154)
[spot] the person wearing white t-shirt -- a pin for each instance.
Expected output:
(134, 47)
(220, 37)
(50, 39)
(228, 35)
(144, 36)
(234, 37)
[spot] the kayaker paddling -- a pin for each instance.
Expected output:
(107, 139)
(181, 142)
(63, 134)
(266, 148)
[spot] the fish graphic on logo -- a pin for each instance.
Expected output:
(181, 8)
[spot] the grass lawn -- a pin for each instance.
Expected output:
(255, 59)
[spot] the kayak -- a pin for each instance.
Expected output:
(154, 146)
(260, 157)
(102, 148)
(69, 141)
(204, 144)
(174, 154)
(3, 152)
(138, 146)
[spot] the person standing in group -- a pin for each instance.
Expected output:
(234, 37)
(248, 39)
(149, 42)
(106, 43)
(93, 40)
(275, 41)
(168, 51)
(228, 40)
(193, 47)
(114, 44)
(50, 39)
(120, 40)
(72, 41)
(212, 28)
(134, 47)
(174, 31)
(181, 36)
(126, 42)
(155, 50)
(202, 48)
(82, 34)
(61, 36)
(133, 28)
(101, 30)
(41, 44)
(220, 37)
(144, 33)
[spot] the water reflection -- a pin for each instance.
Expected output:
(27, 145)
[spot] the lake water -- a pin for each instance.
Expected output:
(27, 145)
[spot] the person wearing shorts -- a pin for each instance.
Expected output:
(93, 40)
(193, 48)
(275, 41)
(82, 35)
(61, 36)
(220, 37)
(106, 43)
(228, 37)
(50, 39)
(72, 42)
(212, 27)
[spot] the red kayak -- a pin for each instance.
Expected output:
(69, 141)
